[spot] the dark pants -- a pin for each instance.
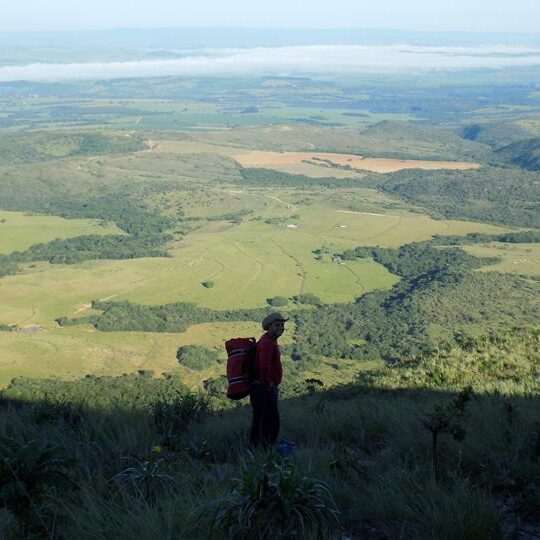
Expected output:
(265, 423)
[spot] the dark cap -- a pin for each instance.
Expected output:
(273, 317)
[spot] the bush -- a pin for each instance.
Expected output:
(196, 357)
(208, 284)
(278, 301)
(278, 501)
(307, 298)
(177, 411)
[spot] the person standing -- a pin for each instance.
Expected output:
(265, 386)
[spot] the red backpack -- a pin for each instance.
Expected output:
(240, 366)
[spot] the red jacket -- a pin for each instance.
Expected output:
(268, 368)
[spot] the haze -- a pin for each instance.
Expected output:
(481, 15)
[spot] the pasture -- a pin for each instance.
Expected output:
(521, 259)
(19, 231)
(248, 263)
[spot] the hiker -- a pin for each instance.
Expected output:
(264, 389)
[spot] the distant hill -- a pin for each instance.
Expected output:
(494, 134)
(400, 140)
(524, 154)
(44, 145)
(436, 142)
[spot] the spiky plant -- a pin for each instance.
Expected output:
(278, 501)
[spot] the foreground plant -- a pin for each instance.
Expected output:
(446, 419)
(31, 473)
(278, 501)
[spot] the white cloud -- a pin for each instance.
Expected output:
(314, 59)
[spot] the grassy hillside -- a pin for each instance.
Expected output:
(141, 456)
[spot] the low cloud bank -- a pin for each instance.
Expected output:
(316, 59)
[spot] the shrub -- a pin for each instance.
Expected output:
(307, 298)
(147, 478)
(196, 357)
(179, 410)
(278, 501)
(208, 284)
(278, 301)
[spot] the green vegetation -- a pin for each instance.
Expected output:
(32, 147)
(125, 316)
(7, 266)
(82, 248)
(521, 237)
(363, 452)
(268, 177)
(307, 298)
(278, 301)
(196, 357)
(524, 154)
(98, 143)
(421, 312)
(412, 260)
(493, 195)
(411, 362)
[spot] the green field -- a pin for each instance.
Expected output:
(248, 263)
(19, 231)
(521, 259)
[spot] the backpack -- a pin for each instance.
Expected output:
(240, 366)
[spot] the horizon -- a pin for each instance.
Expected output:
(521, 16)
(370, 29)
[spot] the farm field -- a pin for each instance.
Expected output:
(308, 162)
(183, 114)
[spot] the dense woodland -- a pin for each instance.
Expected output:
(507, 196)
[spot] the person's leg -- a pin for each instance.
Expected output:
(257, 400)
(270, 422)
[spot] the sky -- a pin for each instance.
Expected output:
(438, 15)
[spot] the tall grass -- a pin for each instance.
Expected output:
(173, 467)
